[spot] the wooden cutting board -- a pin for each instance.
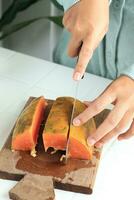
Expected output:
(77, 175)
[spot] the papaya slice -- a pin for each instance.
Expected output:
(26, 130)
(57, 124)
(57, 127)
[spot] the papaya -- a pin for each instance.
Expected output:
(26, 130)
(57, 127)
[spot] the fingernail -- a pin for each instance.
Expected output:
(91, 141)
(99, 145)
(76, 122)
(77, 76)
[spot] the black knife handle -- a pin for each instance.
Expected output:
(83, 76)
(78, 56)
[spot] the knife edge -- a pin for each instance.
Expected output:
(65, 157)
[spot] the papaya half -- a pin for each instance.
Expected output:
(26, 131)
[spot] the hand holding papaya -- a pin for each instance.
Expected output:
(120, 93)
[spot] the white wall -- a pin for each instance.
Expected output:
(39, 38)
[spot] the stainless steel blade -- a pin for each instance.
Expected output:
(71, 122)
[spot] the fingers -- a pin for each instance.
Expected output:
(86, 27)
(101, 36)
(85, 55)
(128, 133)
(117, 130)
(109, 123)
(73, 46)
(90, 43)
(95, 107)
(87, 103)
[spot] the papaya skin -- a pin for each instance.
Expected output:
(26, 130)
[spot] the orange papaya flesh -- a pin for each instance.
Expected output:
(27, 127)
(57, 126)
(78, 147)
(79, 151)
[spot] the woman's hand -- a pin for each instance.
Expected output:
(88, 22)
(121, 94)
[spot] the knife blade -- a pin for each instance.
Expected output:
(71, 122)
(65, 159)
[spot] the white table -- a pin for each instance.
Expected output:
(22, 76)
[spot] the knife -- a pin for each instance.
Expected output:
(65, 158)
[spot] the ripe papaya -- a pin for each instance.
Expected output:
(57, 127)
(27, 127)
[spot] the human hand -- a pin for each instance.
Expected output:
(121, 93)
(88, 22)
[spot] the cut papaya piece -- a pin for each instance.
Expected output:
(57, 127)
(27, 127)
(78, 147)
(57, 124)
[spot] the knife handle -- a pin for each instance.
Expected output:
(83, 76)
(78, 56)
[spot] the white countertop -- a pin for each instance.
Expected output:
(22, 76)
